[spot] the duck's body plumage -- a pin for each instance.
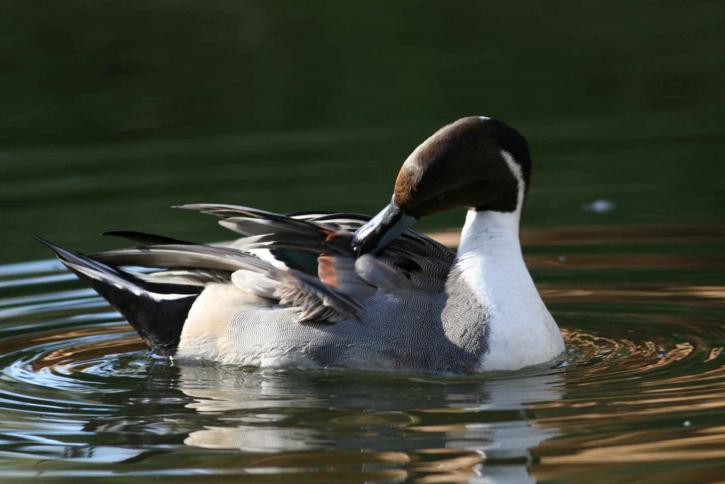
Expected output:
(404, 328)
(404, 308)
(338, 290)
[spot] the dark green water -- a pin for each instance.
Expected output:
(110, 112)
(113, 111)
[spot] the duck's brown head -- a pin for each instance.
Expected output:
(475, 162)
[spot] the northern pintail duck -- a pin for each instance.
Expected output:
(311, 289)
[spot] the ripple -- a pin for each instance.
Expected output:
(643, 382)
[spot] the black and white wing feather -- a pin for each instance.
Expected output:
(302, 260)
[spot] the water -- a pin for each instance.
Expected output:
(112, 111)
(640, 393)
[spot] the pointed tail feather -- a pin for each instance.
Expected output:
(145, 238)
(156, 311)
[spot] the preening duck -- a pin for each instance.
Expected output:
(312, 289)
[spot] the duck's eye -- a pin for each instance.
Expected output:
(439, 196)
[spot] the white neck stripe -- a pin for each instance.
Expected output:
(518, 175)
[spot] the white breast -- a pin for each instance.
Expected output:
(522, 332)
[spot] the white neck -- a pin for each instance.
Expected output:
(495, 232)
(521, 330)
(499, 231)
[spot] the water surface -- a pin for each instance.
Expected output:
(112, 111)
(640, 392)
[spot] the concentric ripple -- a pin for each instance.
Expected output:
(641, 391)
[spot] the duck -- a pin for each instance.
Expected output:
(315, 289)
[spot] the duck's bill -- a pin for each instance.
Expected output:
(382, 229)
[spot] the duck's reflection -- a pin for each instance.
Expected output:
(462, 427)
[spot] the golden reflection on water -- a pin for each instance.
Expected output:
(425, 465)
(623, 261)
(422, 465)
(714, 353)
(704, 296)
(659, 446)
(604, 234)
(87, 351)
(9, 344)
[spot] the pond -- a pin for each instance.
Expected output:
(112, 112)
(640, 392)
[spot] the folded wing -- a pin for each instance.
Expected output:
(302, 260)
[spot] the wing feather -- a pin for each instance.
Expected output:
(295, 244)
